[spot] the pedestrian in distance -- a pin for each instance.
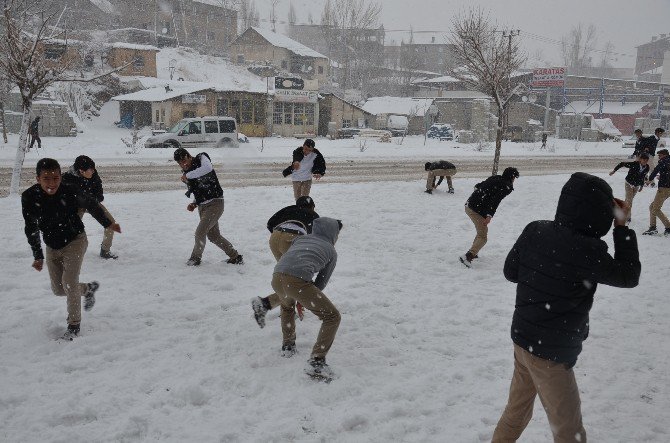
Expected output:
(203, 184)
(34, 133)
(482, 206)
(639, 143)
(52, 208)
(662, 169)
(292, 281)
(308, 164)
(544, 141)
(439, 169)
(284, 226)
(557, 266)
(83, 175)
(635, 179)
(650, 145)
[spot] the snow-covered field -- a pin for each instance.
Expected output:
(423, 353)
(102, 142)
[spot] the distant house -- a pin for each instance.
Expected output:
(140, 59)
(333, 108)
(263, 46)
(622, 114)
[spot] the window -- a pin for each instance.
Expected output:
(163, 115)
(259, 112)
(284, 64)
(299, 114)
(88, 60)
(158, 115)
(226, 126)
(195, 128)
(247, 112)
(188, 114)
(320, 69)
(138, 62)
(211, 36)
(221, 107)
(346, 123)
(240, 58)
(277, 114)
(54, 52)
(309, 113)
(211, 127)
(288, 113)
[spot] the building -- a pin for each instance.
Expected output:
(135, 59)
(622, 113)
(415, 109)
(262, 46)
(344, 114)
(420, 52)
(650, 55)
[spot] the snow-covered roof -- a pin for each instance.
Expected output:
(605, 126)
(472, 95)
(609, 107)
(122, 45)
(217, 3)
(441, 79)
(282, 41)
(657, 70)
(105, 6)
(398, 105)
(159, 94)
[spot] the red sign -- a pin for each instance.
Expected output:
(548, 77)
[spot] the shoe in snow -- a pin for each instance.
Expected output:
(288, 350)
(450, 191)
(318, 370)
(467, 259)
(108, 254)
(260, 309)
(71, 333)
(428, 191)
(235, 260)
(89, 297)
(193, 262)
(666, 233)
(651, 231)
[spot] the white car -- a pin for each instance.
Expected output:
(204, 132)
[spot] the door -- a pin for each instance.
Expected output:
(192, 137)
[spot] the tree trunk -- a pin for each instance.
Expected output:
(499, 136)
(20, 152)
(2, 122)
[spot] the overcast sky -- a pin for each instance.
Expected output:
(626, 23)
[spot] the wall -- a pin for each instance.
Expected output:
(117, 57)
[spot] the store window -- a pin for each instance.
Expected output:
(259, 112)
(288, 113)
(346, 123)
(247, 112)
(309, 113)
(298, 114)
(277, 114)
(222, 107)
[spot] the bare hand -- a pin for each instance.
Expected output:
(317, 177)
(296, 166)
(115, 227)
(191, 207)
(612, 173)
(487, 220)
(183, 178)
(37, 264)
(621, 209)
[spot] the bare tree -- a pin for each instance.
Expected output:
(5, 87)
(488, 58)
(578, 45)
(273, 14)
(23, 63)
(291, 14)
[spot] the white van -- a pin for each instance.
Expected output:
(203, 132)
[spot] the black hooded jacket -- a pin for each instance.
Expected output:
(293, 214)
(442, 164)
(636, 175)
(319, 163)
(206, 187)
(558, 264)
(662, 169)
(90, 186)
(488, 195)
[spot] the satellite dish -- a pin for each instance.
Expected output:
(524, 99)
(532, 98)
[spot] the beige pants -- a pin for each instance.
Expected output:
(557, 388)
(301, 189)
(482, 231)
(208, 229)
(651, 163)
(279, 244)
(662, 195)
(290, 290)
(448, 173)
(631, 192)
(108, 235)
(64, 265)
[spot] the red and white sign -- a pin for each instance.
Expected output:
(548, 77)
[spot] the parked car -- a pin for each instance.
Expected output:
(397, 124)
(203, 132)
(440, 131)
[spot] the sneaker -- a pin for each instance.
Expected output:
(107, 255)
(236, 260)
(89, 297)
(450, 191)
(258, 305)
(651, 231)
(317, 368)
(71, 333)
(288, 350)
(666, 233)
(467, 259)
(193, 262)
(428, 191)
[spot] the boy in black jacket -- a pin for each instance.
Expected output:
(440, 169)
(307, 163)
(482, 206)
(285, 225)
(637, 174)
(557, 266)
(83, 174)
(662, 194)
(52, 208)
(203, 184)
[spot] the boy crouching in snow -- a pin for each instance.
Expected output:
(292, 281)
(52, 208)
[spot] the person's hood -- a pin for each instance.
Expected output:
(74, 171)
(326, 228)
(586, 205)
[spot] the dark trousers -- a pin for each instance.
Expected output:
(35, 138)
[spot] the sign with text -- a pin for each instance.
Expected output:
(289, 83)
(194, 98)
(548, 77)
(291, 95)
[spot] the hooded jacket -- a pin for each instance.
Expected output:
(204, 187)
(293, 214)
(636, 172)
(488, 195)
(558, 264)
(319, 163)
(312, 254)
(662, 169)
(442, 164)
(92, 187)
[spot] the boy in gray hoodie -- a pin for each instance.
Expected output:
(292, 281)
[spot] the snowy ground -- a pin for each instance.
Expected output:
(172, 353)
(102, 142)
